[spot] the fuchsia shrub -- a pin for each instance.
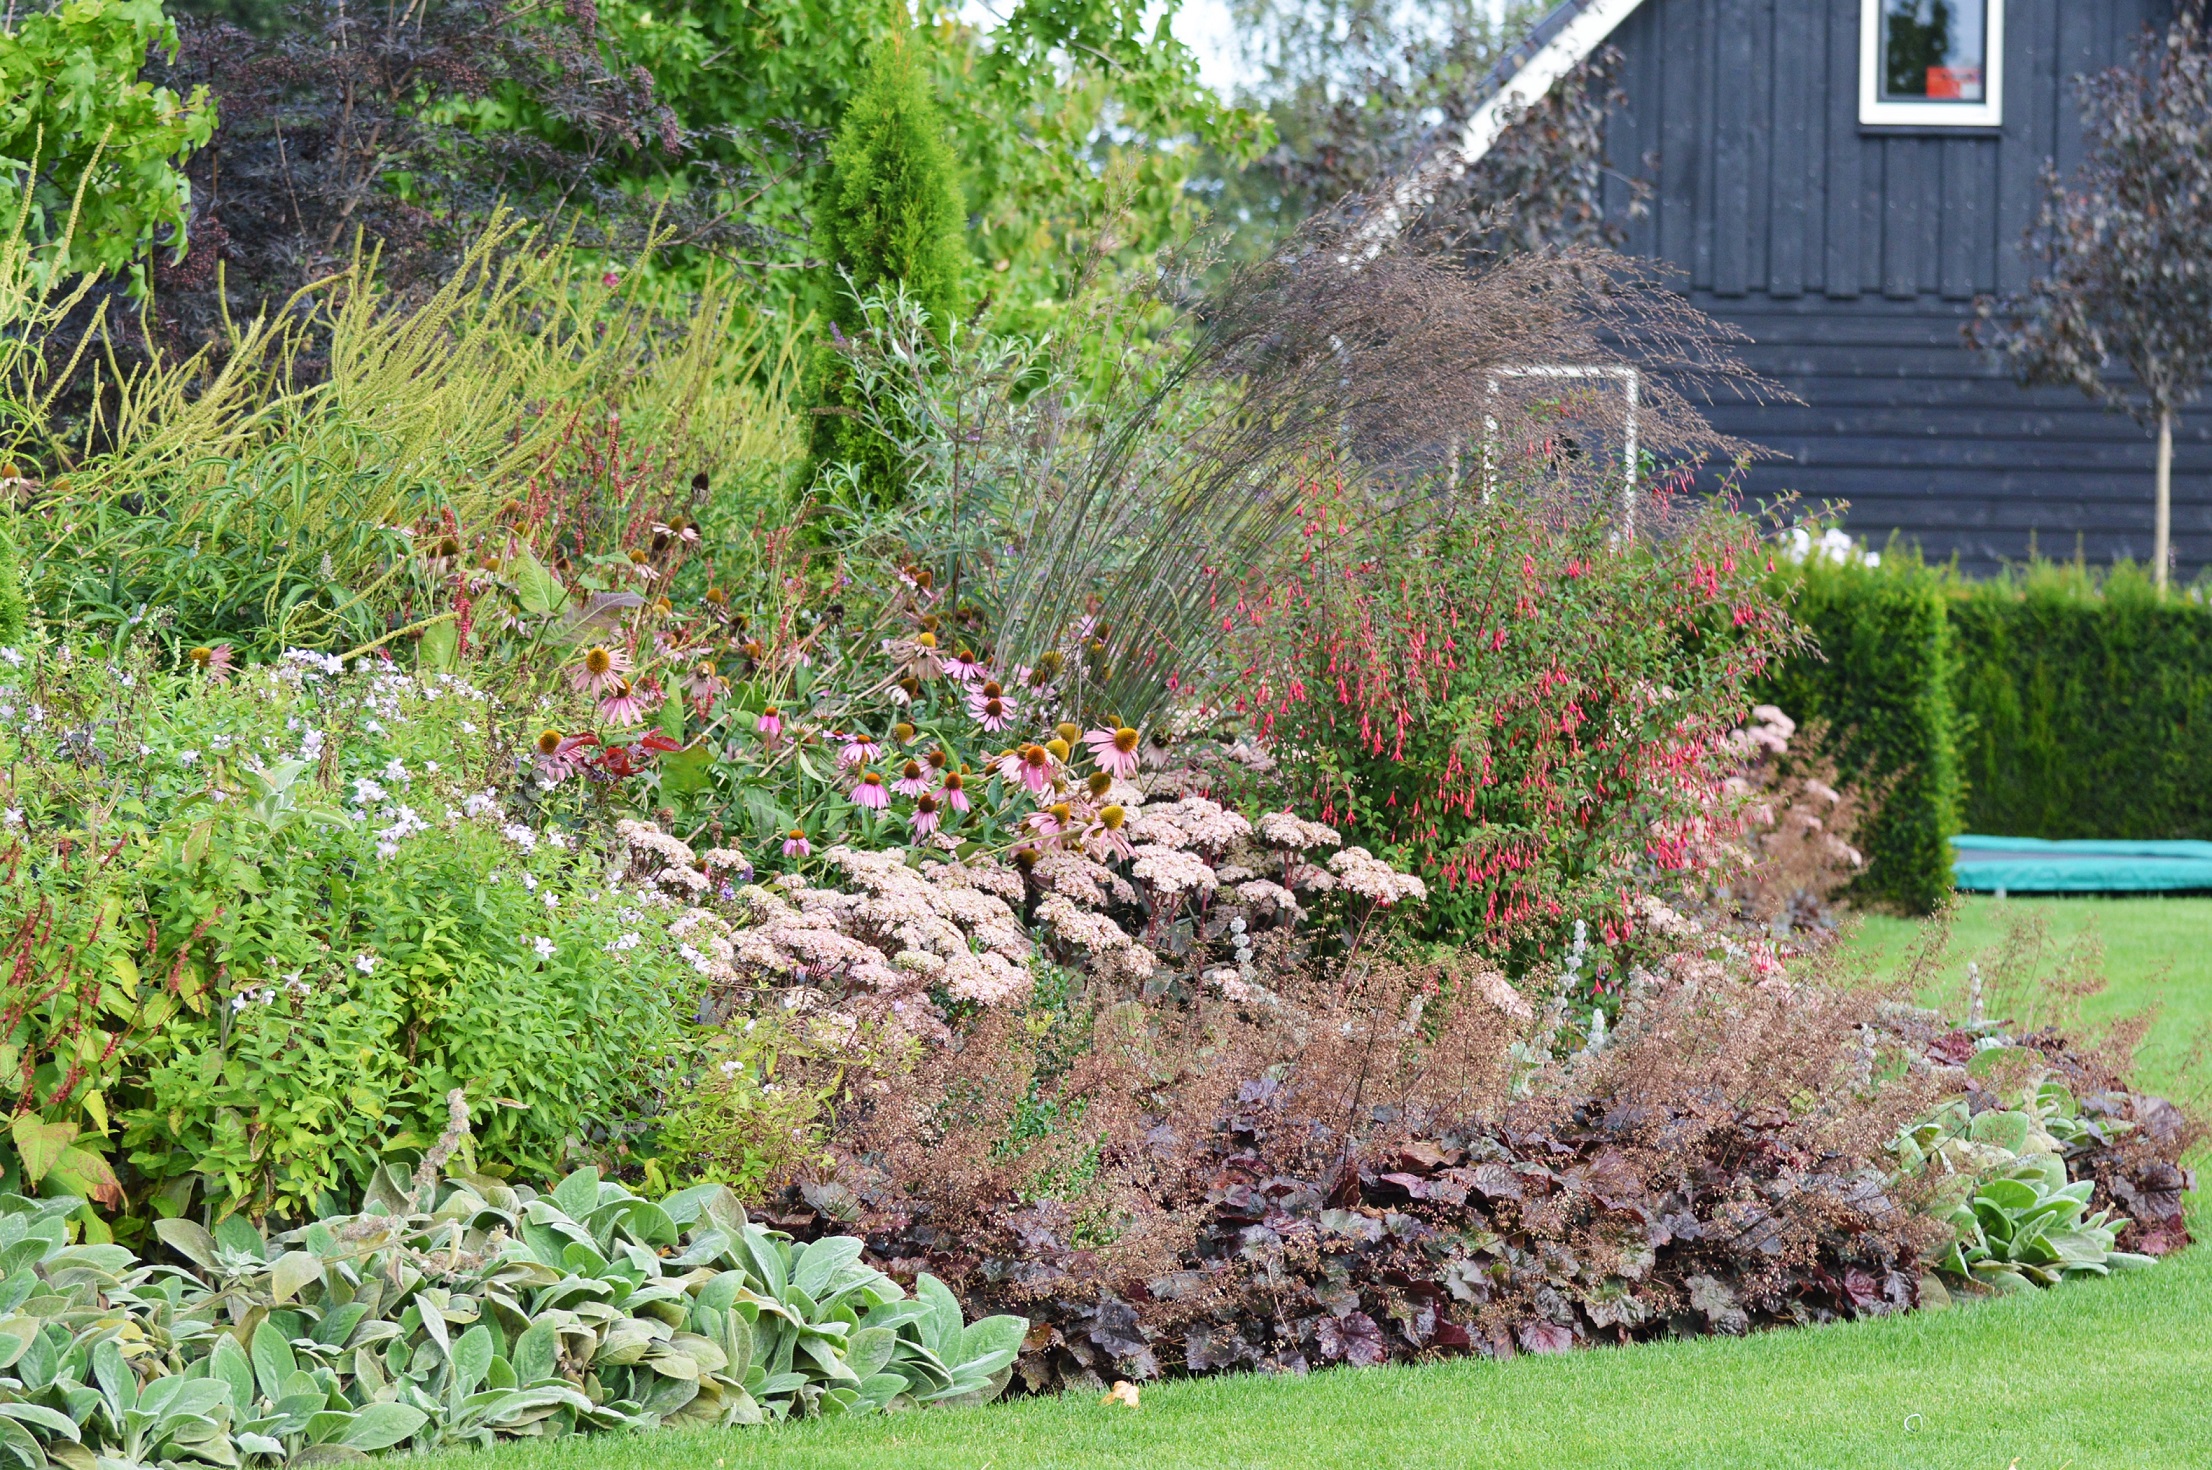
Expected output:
(1515, 703)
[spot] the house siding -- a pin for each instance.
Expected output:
(1852, 256)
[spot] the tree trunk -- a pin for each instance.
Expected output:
(2162, 525)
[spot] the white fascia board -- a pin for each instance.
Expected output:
(1558, 56)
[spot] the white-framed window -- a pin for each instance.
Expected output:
(1932, 63)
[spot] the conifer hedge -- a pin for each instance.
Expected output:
(2087, 706)
(1881, 679)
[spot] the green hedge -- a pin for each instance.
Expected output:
(2088, 702)
(1881, 678)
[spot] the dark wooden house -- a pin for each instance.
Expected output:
(1841, 178)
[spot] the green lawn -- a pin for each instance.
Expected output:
(2098, 1374)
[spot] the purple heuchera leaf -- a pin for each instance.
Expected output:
(1545, 1337)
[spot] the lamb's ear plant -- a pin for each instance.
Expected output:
(456, 1312)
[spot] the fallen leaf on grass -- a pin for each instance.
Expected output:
(1123, 1392)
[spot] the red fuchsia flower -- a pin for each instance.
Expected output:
(599, 670)
(1115, 751)
(911, 782)
(770, 724)
(627, 703)
(1107, 838)
(924, 818)
(858, 750)
(870, 793)
(795, 844)
(967, 668)
(955, 791)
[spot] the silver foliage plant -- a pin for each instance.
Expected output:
(456, 1313)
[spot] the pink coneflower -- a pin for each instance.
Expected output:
(870, 792)
(967, 668)
(1052, 821)
(600, 670)
(796, 845)
(993, 714)
(770, 724)
(911, 782)
(703, 684)
(1105, 838)
(955, 791)
(1115, 751)
(213, 662)
(627, 703)
(924, 819)
(1031, 766)
(558, 754)
(918, 656)
(858, 750)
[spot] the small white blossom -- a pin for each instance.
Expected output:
(364, 962)
(544, 947)
(552, 899)
(184, 757)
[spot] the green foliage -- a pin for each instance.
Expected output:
(889, 220)
(76, 115)
(458, 1314)
(2001, 1183)
(1881, 679)
(2087, 706)
(14, 615)
(245, 973)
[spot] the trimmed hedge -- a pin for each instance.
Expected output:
(2088, 702)
(1881, 678)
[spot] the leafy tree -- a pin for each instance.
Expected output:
(889, 219)
(75, 111)
(2126, 247)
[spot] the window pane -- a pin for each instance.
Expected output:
(1933, 50)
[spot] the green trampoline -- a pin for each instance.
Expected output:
(2003, 865)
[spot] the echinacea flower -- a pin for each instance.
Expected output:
(924, 819)
(795, 844)
(903, 733)
(1031, 766)
(955, 791)
(627, 703)
(1115, 751)
(770, 724)
(911, 782)
(1051, 821)
(967, 668)
(918, 656)
(213, 662)
(993, 714)
(705, 682)
(600, 670)
(1106, 838)
(558, 754)
(869, 792)
(858, 750)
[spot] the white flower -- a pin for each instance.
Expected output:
(543, 946)
(184, 757)
(520, 836)
(467, 728)
(430, 766)
(394, 771)
(530, 882)
(552, 900)
(15, 660)
(557, 839)
(480, 803)
(372, 727)
(367, 792)
(144, 749)
(364, 962)
(12, 817)
(220, 742)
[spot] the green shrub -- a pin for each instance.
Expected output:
(889, 219)
(1881, 679)
(2088, 703)
(14, 615)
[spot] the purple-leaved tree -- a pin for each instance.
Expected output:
(2123, 306)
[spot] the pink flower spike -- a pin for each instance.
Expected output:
(924, 819)
(1115, 751)
(955, 791)
(796, 845)
(600, 670)
(870, 792)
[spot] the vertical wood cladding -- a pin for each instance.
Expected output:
(1852, 256)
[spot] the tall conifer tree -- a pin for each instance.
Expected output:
(890, 214)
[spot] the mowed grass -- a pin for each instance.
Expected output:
(2113, 1373)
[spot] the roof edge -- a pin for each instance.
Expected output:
(1559, 43)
